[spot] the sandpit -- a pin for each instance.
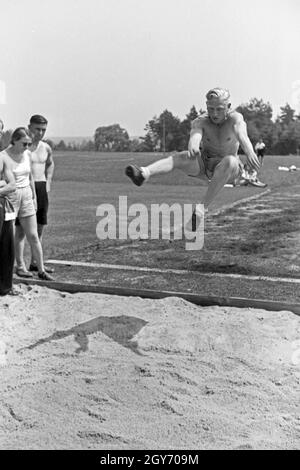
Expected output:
(90, 371)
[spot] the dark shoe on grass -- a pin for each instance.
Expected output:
(135, 174)
(45, 277)
(33, 267)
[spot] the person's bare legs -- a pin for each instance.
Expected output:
(178, 161)
(40, 229)
(19, 247)
(29, 225)
(225, 171)
(191, 166)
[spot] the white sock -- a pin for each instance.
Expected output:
(145, 172)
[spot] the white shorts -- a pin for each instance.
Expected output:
(207, 165)
(22, 201)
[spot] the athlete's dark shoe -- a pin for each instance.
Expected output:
(33, 267)
(135, 174)
(45, 277)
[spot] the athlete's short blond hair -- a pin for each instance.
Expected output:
(218, 93)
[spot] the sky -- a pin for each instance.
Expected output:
(90, 63)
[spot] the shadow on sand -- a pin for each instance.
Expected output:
(120, 329)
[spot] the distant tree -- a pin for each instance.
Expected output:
(148, 142)
(61, 145)
(287, 114)
(255, 109)
(164, 132)
(258, 116)
(90, 146)
(71, 147)
(136, 145)
(151, 140)
(288, 131)
(111, 139)
(86, 145)
(185, 128)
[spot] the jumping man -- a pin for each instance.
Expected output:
(220, 132)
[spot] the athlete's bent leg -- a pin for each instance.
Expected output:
(227, 170)
(178, 161)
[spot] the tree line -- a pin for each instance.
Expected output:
(166, 132)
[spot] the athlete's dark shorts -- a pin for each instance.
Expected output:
(42, 203)
(261, 153)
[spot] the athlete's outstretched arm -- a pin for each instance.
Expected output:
(195, 138)
(240, 129)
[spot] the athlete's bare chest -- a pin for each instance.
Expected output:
(39, 156)
(219, 135)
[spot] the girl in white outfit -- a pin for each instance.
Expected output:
(24, 199)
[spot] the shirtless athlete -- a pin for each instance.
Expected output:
(220, 133)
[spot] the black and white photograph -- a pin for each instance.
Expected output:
(149, 227)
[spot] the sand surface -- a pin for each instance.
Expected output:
(90, 371)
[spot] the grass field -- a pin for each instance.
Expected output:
(83, 181)
(263, 240)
